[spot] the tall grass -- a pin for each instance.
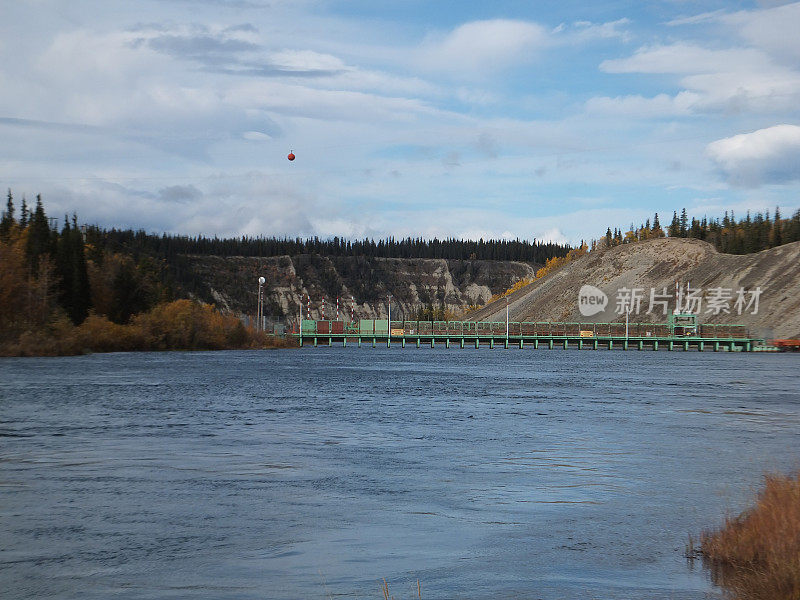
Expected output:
(756, 555)
(388, 596)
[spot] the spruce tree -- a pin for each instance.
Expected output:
(64, 270)
(40, 240)
(777, 228)
(24, 216)
(684, 224)
(8, 218)
(80, 294)
(674, 229)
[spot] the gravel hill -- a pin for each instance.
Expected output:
(659, 264)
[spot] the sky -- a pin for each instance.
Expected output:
(546, 119)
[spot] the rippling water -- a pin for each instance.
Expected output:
(314, 473)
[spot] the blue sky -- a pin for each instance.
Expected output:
(549, 120)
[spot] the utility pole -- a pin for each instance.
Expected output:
(506, 319)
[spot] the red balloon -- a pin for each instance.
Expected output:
(291, 156)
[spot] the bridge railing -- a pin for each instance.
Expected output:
(380, 327)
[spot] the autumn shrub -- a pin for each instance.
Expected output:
(756, 555)
(98, 334)
(178, 325)
(187, 325)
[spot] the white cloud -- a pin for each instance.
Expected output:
(728, 80)
(584, 31)
(306, 60)
(480, 47)
(774, 29)
(683, 58)
(770, 155)
(636, 106)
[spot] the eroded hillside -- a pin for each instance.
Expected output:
(658, 264)
(231, 283)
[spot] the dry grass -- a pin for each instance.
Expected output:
(388, 596)
(756, 555)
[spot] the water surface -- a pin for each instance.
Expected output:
(314, 473)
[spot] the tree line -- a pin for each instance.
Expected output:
(728, 235)
(168, 246)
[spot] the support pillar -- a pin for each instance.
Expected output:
(685, 346)
(550, 344)
(536, 344)
(521, 344)
(433, 342)
(315, 342)
(594, 344)
(671, 345)
(344, 342)
(462, 343)
(655, 345)
(417, 342)
(403, 343)
(566, 344)
(701, 346)
(505, 344)
(447, 343)
(491, 344)
(716, 346)
(611, 345)
(477, 343)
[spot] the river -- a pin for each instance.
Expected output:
(316, 473)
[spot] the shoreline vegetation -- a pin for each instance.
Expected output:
(61, 294)
(178, 325)
(756, 555)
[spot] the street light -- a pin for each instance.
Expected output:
(260, 308)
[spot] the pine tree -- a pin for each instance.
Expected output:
(7, 220)
(63, 260)
(777, 228)
(608, 237)
(80, 300)
(657, 231)
(684, 225)
(674, 229)
(24, 216)
(794, 227)
(40, 240)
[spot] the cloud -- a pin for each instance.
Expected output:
(584, 31)
(733, 81)
(640, 107)
(773, 30)
(766, 156)
(179, 193)
(683, 58)
(480, 47)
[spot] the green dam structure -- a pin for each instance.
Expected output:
(680, 332)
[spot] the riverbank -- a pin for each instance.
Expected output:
(756, 555)
(178, 325)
